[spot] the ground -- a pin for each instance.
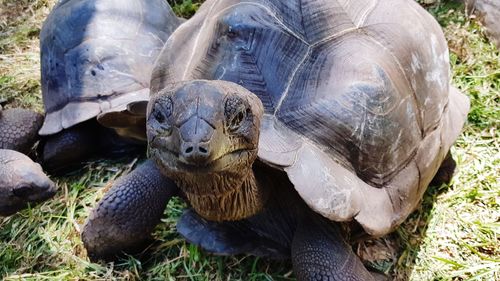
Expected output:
(453, 235)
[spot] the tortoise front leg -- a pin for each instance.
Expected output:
(320, 253)
(19, 129)
(124, 219)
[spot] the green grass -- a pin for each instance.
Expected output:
(185, 8)
(453, 235)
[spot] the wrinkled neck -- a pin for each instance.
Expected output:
(224, 196)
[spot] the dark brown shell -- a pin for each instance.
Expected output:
(359, 110)
(97, 55)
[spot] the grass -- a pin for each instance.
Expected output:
(185, 8)
(453, 235)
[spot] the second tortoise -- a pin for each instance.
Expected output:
(97, 56)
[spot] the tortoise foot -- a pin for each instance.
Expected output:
(319, 252)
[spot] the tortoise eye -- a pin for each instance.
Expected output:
(161, 112)
(235, 112)
(163, 109)
(159, 116)
(237, 120)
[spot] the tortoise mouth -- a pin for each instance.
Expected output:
(173, 163)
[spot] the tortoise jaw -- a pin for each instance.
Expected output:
(171, 162)
(224, 189)
(219, 164)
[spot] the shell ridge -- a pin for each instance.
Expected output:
(196, 42)
(292, 78)
(85, 99)
(263, 94)
(367, 13)
(279, 21)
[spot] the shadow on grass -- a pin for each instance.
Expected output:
(396, 254)
(412, 233)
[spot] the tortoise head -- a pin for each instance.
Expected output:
(22, 182)
(204, 135)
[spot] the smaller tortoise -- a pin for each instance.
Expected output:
(97, 56)
(22, 181)
(279, 121)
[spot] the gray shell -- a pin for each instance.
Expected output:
(359, 110)
(97, 55)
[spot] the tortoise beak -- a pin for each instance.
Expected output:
(196, 142)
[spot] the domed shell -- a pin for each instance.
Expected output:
(359, 111)
(97, 55)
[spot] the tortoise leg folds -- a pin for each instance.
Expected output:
(124, 219)
(319, 252)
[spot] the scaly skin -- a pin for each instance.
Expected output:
(67, 149)
(125, 217)
(19, 129)
(319, 252)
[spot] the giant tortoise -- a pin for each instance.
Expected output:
(321, 112)
(97, 56)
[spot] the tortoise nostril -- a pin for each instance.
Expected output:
(189, 150)
(195, 153)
